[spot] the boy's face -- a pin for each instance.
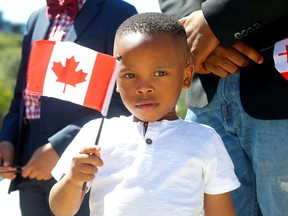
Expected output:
(152, 73)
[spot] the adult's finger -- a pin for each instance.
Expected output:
(224, 61)
(249, 52)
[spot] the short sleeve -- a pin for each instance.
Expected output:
(219, 175)
(85, 137)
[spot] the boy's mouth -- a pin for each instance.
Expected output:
(147, 106)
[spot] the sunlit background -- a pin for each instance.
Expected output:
(18, 11)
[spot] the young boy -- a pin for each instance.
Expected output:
(151, 163)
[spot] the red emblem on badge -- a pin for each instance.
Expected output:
(280, 56)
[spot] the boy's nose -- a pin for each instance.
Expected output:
(145, 89)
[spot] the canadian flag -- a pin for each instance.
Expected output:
(71, 72)
(280, 56)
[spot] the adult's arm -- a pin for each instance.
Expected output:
(234, 20)
(212, 26)
(12, 120)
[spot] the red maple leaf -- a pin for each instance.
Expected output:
(68, 74)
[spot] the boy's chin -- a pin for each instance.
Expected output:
(145, 119)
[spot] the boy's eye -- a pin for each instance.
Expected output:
(129, 75)
(160, 73)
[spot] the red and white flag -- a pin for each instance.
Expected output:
(280, 56)
(71, 72)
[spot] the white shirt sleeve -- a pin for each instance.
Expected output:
(219, 177)
(85, 137)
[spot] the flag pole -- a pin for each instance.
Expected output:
(96, 143)
(99, 131)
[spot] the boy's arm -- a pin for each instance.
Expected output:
(219, 205)
(65, 197)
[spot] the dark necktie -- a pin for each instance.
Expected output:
(55, 7)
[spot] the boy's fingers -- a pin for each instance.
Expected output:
(93, 160)
(91, 150)
(88, 159)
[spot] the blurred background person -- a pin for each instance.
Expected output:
(37, 130)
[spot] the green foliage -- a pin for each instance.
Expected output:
(181, 107)
(10, 54)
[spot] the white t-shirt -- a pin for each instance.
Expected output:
(168, 176)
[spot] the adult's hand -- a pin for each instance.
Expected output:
(41, 163)
(6, 159)
(224, 61)
(200, 38)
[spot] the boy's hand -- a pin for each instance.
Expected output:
(85, 165)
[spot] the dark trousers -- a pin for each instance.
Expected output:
(34, 196)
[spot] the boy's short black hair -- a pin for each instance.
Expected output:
(152, 22)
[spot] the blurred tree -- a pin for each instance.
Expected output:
(181, 107)
(10, 53)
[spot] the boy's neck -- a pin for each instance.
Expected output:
(171, 118)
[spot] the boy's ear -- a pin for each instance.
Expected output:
(117, 89)
(189, 70)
